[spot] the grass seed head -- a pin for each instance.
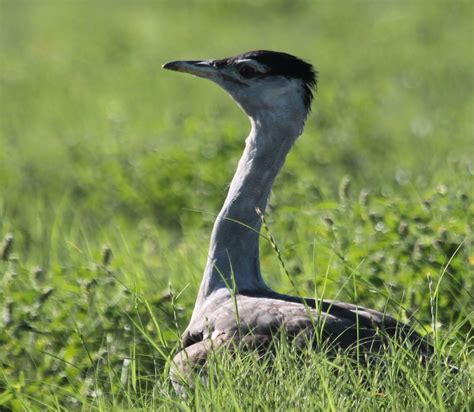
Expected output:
(106, 255)
(8, 313)
(364, 198)
(7, 247)
(403, 229)
(344, 189)
(329, 222)
(38, 273)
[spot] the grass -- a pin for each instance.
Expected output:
(99, 147)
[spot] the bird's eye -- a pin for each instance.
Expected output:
(247, 71)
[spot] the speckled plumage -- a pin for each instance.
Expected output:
(342, 326)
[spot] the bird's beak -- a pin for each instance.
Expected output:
(196, 68)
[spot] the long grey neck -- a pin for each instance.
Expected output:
(233, 259)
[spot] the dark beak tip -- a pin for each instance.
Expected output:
(194, 67)
(169, 66)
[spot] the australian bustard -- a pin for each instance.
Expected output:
(275, 90)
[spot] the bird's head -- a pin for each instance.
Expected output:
(262, 82)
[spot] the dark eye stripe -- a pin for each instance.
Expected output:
(233, 80)
(247, 71)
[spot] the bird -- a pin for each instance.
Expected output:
(234, 306)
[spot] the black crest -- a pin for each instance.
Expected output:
(283, 64)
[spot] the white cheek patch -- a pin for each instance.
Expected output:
(282, 88)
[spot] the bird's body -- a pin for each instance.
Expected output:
(234, 305)
(246, 321)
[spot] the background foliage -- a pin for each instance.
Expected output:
(98, 146)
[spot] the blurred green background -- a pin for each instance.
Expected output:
(89, 117)
(99, 146)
